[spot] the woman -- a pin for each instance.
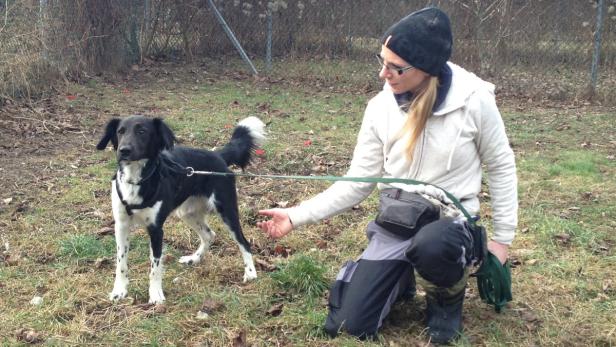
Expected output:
(433, 122)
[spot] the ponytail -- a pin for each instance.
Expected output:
(418, 114)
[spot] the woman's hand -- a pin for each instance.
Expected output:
(500, 250)
(279, 225)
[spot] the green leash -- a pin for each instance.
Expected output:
(494, 282)
(191, 171)
(493, 279)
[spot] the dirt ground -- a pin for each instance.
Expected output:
(33, 138)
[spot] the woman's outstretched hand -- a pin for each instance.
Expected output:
(278, 226)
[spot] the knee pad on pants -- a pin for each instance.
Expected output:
(438, 252)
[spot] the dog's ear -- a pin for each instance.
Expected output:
(165, 134)
(109, 135)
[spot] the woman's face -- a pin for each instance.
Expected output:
(409, 80)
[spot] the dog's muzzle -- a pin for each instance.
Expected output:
(124, 153)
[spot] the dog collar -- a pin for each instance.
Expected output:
(148, 203)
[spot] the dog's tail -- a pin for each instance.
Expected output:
(247, 136)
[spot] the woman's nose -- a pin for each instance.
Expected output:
(384, 73)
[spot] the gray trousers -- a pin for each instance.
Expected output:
(364, 290)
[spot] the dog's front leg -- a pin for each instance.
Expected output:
(156, 264)
(121, 274)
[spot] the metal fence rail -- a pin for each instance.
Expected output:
(556, 48)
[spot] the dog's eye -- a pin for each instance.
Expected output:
(121, 131)
(140, 131)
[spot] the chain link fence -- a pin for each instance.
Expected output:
(553, 49)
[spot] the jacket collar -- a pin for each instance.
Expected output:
(456, 86)
(404, 100)
(463, 85)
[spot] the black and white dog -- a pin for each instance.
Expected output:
(151, 183)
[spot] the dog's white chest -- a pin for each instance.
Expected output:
(130, 195)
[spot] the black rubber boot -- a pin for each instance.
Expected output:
(444, 315)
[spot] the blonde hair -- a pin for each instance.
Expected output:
(418, 114)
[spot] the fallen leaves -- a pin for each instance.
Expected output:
(282, 251)
(263, 265)
(275, 310)
(532, 321)
(532, 261)
(240, 340)
(8, 259)
(104, 231)
(100, 263)
(28, 336)
(563, 239)
(211, 306)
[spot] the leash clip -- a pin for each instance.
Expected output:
(190, 171)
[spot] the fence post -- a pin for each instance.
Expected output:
(232, 37)
(146, 17)
(597, 50)
(268, 47)
(42, 16)
(145, 33)
(6, 13)
(133, 35)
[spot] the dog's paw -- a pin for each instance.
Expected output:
(156, 296)
(190, 259)
(118, 294)
(249, 275)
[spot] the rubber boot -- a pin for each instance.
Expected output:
(444, 315)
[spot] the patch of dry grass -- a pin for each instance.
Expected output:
(564, 291)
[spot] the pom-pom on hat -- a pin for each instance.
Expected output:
(423, 39)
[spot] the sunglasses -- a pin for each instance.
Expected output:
(397, 69)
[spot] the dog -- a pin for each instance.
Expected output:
(151, 183)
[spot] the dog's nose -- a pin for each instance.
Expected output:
(124, 152)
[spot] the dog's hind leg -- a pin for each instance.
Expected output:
(197, 222)
(156, 264)
(230, 216)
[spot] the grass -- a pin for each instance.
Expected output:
(564, 289)
(303, 276)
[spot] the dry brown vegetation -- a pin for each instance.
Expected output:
(55, 218)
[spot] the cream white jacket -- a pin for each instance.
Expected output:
(465, 132)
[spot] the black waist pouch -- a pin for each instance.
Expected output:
(404, 213)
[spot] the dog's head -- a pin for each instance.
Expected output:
(137, 137)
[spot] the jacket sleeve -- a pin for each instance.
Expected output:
(367, 162)
(496, 154)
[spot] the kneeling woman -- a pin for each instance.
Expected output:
(433, 122)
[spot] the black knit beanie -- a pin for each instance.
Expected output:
(423, 39)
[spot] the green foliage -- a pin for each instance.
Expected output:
(85, 247)
(302, 275)
(582, 164)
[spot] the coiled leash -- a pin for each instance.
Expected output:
(494, 282)
(493, 279)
